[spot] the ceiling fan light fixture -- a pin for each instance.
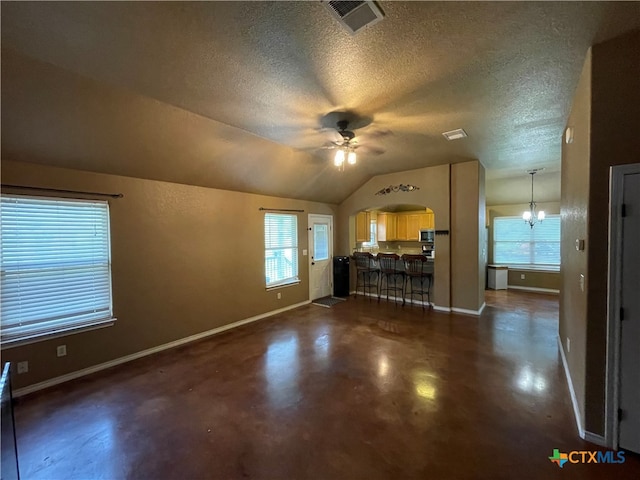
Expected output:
(455, 134)
(351, 158)
(338, 161)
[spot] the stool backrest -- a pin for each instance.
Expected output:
(363, 260)
(388, 262)
(415, 264)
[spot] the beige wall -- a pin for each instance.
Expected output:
(605, 116)
(615, 140)
(453, 193)
(433, 194)
(179, 255)
(534, 279)
(574, 213)
(467, 233)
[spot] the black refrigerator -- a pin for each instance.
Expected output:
(340, 276)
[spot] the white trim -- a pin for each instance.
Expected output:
(594, 438)
(614, 290)
(534, 289)
(466, 311)
(442, 309)
(574, 399)
(311, 247)
(134, 356)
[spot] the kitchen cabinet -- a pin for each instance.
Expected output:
(413, 226)
(427, 221)
(402, 226)
(387, 223)
(363, 227)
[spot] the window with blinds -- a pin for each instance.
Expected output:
(56, 266)
(516, 243)
(281, 249)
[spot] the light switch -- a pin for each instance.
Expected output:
(579, 244)
(304, 253)
(582, 282)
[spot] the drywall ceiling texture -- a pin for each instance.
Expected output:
(231, 94)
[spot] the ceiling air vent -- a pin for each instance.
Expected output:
(455, 134)
(355, 15)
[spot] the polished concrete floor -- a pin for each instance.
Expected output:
(358, 391)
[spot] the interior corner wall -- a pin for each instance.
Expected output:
(467, 290)
(185, 260)
(483, 235)
(573, 218)
(615, 140)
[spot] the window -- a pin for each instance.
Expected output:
(516, 243)
(373, 234)
(56, 266)
(281, 249)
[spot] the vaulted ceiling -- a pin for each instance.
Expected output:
(235, 95)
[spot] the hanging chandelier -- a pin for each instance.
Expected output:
(531, 216)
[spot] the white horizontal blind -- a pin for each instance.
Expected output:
(516, 243)
(281, 249)
(56, 266)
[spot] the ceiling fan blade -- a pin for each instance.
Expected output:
(371, 149)
(332, 135)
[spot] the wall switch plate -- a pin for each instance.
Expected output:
(278, 295)
(61, 350)
(582, 282)
(304, 252)
(568, 345)
(23, 367)
(522, 276)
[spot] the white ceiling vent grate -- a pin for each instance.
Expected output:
(355, 16)
(455, 134)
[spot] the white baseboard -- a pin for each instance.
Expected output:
(574, 399)
(442, 309)
(469, 312)
(134, 356)
(533, 289)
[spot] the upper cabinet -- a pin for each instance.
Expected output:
(387, 227)
(363, 227)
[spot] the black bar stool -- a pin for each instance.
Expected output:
(366, 270)
(418, 271)
(391, 271)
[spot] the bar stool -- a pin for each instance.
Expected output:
(365, 270)
(417, 270)
(389, 271)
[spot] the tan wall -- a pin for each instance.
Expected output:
(534, 279)
(467, 214)
(433, 194)
(184, 259)
(605, 111)
(615, 121)
(574, 198)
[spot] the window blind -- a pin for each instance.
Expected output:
(516, 243)
(55, 265)
(281, 249)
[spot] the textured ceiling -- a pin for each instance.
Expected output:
(232, 94)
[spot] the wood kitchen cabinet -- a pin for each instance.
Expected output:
(427, 221)
(413, 226)
(402, 226)
(363, 227)
(387, 224)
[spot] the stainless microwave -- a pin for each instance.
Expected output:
(427, 235)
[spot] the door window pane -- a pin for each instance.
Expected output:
(321, 241)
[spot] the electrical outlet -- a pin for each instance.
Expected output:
(568, 345)
(61, 350)
(278, 295)
(23, 367)
(522, 276)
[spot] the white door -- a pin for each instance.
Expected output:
(629, 427)
(320, 255)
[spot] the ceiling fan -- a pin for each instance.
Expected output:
(346, 143)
